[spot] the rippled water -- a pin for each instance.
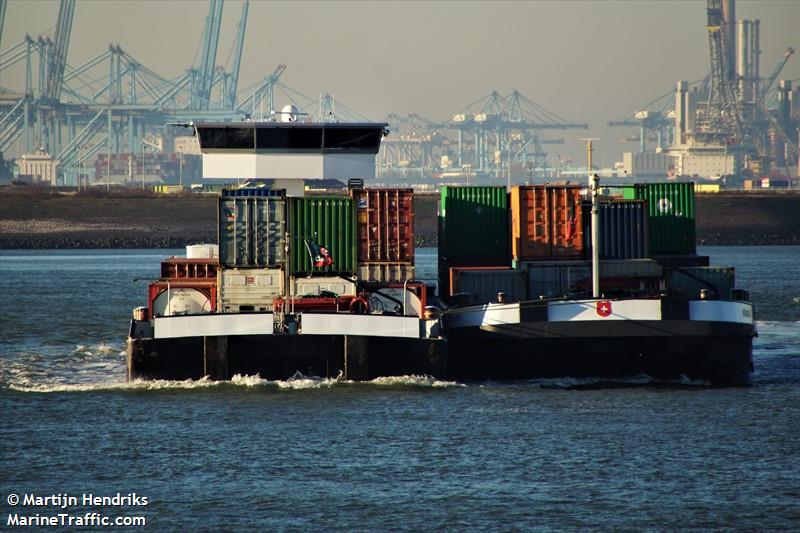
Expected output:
(407, 453)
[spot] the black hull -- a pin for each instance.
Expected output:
(279, 357)
(717, 353)
(720, 360)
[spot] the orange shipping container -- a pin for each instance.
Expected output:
(385, 225)
(546, 222)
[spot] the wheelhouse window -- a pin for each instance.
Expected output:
(294, 138)
(227, 137)
(365, 139)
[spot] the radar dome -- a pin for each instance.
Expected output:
(289, 113)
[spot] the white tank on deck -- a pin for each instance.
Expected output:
(202, 251)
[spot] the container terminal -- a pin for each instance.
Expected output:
(533, 280)
(105, 122)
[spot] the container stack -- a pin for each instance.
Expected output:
(385, 233)
(670, 216)
(547, 225)
(252, 238)
(473, 232)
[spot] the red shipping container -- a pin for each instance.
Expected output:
(546, 222)
(385, 225)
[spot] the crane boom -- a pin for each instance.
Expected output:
(209, 57)
(58, 56)
(775, 73)
(237, 58)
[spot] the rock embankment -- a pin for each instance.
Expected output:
(126, 220)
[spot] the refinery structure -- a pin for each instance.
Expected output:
(732, 125)
(111, 120)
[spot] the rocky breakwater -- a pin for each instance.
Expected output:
(93, 220)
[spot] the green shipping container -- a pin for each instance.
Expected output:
(474, 226)
(670, 213)
(326, 221)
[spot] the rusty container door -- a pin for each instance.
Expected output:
(530, 237)
(385, 225)
(566, 218)
(546, 223)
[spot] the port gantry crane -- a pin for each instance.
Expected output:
(112, 101)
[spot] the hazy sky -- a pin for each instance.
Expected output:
(588, 61)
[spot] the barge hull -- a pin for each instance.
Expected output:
(279, 357)
(721, 358)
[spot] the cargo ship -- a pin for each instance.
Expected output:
(326, 285)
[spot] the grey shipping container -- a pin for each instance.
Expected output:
(252, 231)
(689, 281)
(483, 286)
(622, 229)
(548, 279)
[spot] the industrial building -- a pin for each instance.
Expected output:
(731, 126)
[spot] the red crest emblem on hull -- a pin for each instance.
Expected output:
(603, 308)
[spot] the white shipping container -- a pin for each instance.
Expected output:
(248, 289)
(386, 272)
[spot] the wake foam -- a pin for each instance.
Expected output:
(296, 382)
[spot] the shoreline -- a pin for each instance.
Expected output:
(83, 221)
(123, 239)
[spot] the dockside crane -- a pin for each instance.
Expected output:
(58, 54)
(2, 16)
(721, 120)
(775, 73)
(237, 59)
(201, 90)
(265, 89)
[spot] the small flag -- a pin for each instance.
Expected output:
(320, 256)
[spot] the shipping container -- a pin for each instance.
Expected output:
(670, 216)
(549, 279)
(252, 228)
(546, 222)
(483, 284)
(323, 222)
(180, 268)
(385, 225)
(622, 229)
(553, 279)
(444, 266)
(182, 297)
(385, 272)
(473, 225)
(687, 282)
(249, 289)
